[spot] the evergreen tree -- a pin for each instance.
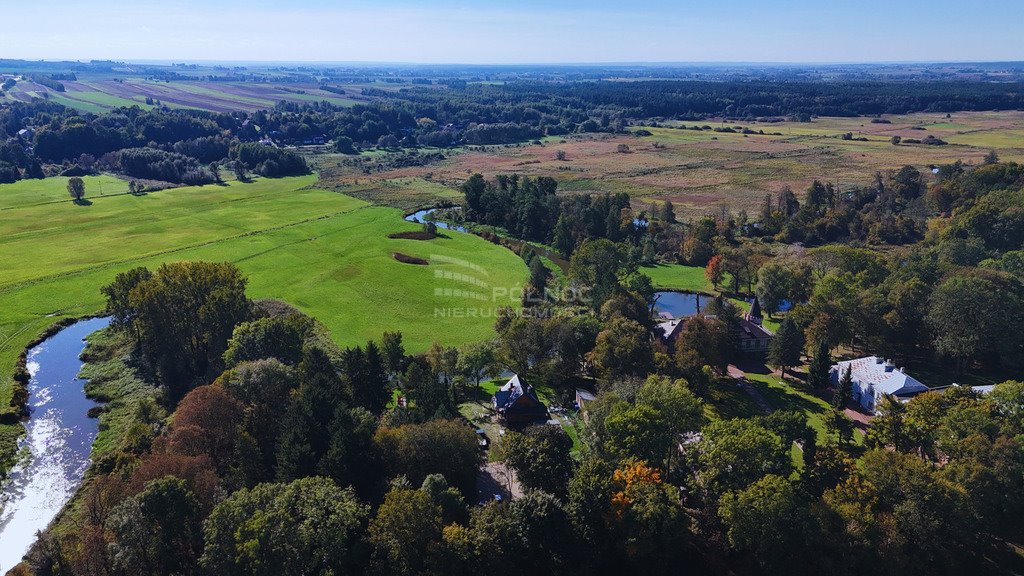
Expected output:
(821, 365)
(376, 388)
(668, 212)
(539, 274)
(612, 224)
(295, 457)
(394, 352)
(563, 240)
(785, 349)
(844, 391)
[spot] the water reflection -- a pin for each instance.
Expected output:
(679, 304)
(420, 216)
(59, 436)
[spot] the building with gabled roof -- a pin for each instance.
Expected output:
(517, 402)
(874, 377)
(753, 336)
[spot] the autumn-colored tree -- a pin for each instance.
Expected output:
(645, 517)
(715, 270)
(197, 471)
(206, 422)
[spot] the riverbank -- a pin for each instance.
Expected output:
(325, 253)
(12, 416)
(58, 439)
(125, 420)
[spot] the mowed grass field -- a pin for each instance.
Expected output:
(699, 171)
(327, 253)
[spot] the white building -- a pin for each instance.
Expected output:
(874, 377)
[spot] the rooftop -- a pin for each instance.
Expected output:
(882, 374)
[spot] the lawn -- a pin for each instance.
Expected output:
(796, 396)
(724, 400)
(679, 277)
(324, 252)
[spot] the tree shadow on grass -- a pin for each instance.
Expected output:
(82, 202)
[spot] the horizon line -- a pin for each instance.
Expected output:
(579, 63)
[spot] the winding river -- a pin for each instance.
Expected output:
(421, 216)
(59, 436)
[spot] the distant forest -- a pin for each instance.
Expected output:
(458, 113)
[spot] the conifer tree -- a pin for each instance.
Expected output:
(821, 365)
(785, 349)
(844, 391)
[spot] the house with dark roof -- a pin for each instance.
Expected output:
(517, 402)
(754, 338)
(874, 377)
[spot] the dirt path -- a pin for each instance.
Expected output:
(495, 478)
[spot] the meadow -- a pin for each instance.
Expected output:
(702, 170)
(326, 253)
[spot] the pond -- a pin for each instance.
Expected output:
(679, 304)
(422, 216)
(59, 437)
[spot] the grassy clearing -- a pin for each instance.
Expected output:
(679, 277)
(797, 397)
(725, 400)
(408, 193)
(324, 252)
(25, 193)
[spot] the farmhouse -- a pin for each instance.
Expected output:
(873, 377)
(517, 402)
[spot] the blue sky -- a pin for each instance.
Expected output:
(528, 31)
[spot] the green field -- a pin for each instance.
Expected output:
(327, 253)
(678, 277)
